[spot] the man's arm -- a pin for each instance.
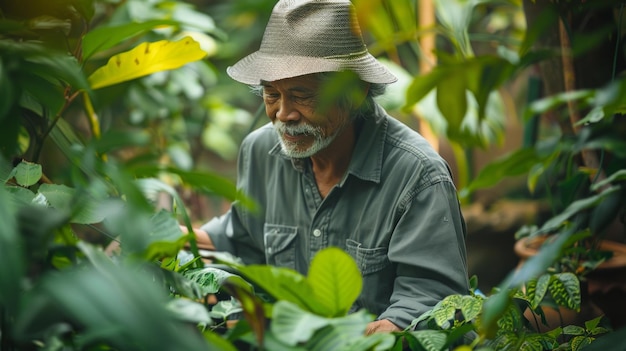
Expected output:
(202, 238)
(428, 248)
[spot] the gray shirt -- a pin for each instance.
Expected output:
(395, 212)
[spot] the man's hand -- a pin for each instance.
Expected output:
(202, 238)
(381, 326)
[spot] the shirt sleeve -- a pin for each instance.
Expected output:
(221, 230)
(428, 250)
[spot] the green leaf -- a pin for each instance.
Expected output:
(335, 279)
(210, 279)
(404, 13)
(57, 66)
(46, 93)
(430, 340)
(485, 75)
(20, 196)
(445, 311)
(593, 324)
(102, 38)
(117, 306)
(471, 307)
(573, 330)
(575, 207)
(225, 308)
(340, 332)
(12, 267)
(493, 309)
(423, 84)
(7, 98)
(190, 311)
(374, 342)
(85, 8)
(579, 342)
(283, 284)
(85, 209)
(452, 101)
(165, 238)
(293, 325)
(454, 16)
(540, 290)
(565, 289)
(27, 173)
(146, 58)
(203, 181)
(516, 163)
(544, 105)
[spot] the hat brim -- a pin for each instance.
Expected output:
(259, 67)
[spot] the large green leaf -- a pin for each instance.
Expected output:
(7, 98)
(575, 207)
(117, 306)
(146, 58)
(452, 100)
(202, 181)
(53, 66)
(293, 326)
(84, 208)
(454, 16)
(103, 38)
(12, 267)
(47, 94)
(516, 163)
(284, 284)
(335, 279)
(423, 84)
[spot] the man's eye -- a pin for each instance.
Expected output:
(305, 100)
(271, 96)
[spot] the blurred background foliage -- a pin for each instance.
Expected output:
(87, 160)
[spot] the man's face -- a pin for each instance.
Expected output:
(293, 106)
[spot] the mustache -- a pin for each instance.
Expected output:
(294, 129)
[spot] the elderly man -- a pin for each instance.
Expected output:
(340, 171)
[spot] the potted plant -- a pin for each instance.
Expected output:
(581, 169)
(575, 159)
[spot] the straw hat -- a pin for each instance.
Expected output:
(310, 36)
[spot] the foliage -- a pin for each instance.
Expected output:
(123, 139)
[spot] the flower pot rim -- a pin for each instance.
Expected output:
(528, 246)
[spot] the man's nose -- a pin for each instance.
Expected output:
(286, 111)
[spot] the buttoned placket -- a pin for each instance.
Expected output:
(320, 220)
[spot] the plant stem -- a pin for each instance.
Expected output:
(589, 157)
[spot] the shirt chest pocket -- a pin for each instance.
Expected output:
(368, 260)
(280, 245)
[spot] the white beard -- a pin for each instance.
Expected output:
(292, 149)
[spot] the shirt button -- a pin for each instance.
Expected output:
(317, 232)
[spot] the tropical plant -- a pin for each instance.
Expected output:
(64, 66)
(579, 165)
(460, 318)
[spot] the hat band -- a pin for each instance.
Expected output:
(348, 56)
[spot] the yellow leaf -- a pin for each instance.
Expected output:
(146, 58)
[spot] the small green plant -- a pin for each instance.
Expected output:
(467, 319)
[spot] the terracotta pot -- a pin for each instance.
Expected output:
(604, 289)
(607, 284)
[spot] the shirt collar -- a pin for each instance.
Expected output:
(367, 158)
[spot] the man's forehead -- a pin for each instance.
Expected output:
(299, 83)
